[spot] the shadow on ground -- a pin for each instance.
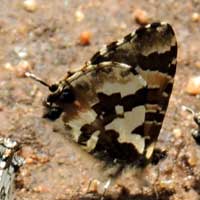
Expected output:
(159, 195)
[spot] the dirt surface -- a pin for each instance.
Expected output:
(47, 41)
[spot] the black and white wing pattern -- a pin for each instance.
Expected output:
(117, 102)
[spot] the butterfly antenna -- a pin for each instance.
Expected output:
(36, 78)
(190, 110)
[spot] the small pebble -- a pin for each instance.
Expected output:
(27, 151)
(8, 66)
(61, 196)
(141, 17)
(94, 186)
(166, 167)
(23, 67)
(177, 132)
(24, 172)
(195, 17)
(7, 153)
(192, 158)
(30, 161)
(2, 165)
(21, 52)
(192, 161)
(22, 29)
(166, 184)
(40, 189)
(197, 64)
(193, 86)
(10, 143)
(79, 16)
(1, 106)
(85, 38)
(30, 5)
(42, 158)
(122, 26)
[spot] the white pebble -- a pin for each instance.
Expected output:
(195, 17)
(30, 5)
(79, 15)
(193, 86)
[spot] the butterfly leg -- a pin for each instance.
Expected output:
(106, 186)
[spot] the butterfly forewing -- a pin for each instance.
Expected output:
(152, 48)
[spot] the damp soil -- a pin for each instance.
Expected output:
(57, 36)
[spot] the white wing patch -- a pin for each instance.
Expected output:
(131, 86)
(91, 143)
(83, 118)
(126, 125)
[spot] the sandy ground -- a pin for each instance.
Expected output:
(47, 40)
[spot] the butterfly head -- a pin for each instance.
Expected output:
(60, 95)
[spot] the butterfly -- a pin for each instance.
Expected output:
(196, 117)
(116, 103)
(10, 163)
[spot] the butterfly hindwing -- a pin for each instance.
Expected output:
(109, 106)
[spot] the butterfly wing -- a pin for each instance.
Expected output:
(108, 107)
(152, 52)
(121, 95)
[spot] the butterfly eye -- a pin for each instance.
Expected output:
(67, 96)
(53, 87)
